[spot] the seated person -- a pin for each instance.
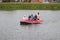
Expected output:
(38, 16)
(30, 17)
(35, 17)
(24, 18)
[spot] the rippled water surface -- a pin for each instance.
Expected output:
(10, 28)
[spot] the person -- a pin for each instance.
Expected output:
(38, 16)
(24, 17)
(30, 17)
(35, 17)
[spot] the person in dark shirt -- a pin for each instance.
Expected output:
(30, 17)
(35, 17)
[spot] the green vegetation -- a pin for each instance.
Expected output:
(29, 6)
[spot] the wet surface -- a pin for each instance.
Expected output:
(10, 28)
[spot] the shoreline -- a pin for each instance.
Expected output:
(29, 6)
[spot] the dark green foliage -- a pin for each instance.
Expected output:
(29, 6)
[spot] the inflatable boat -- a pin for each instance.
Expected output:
(31, 21)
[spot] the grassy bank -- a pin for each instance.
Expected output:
(29, 6)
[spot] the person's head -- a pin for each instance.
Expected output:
(38, 13)
(35, 15)
(31, 14)
(24, 15)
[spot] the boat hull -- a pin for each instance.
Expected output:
(30, 21)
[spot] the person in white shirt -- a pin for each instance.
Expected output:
(24, 17)
(38, 16)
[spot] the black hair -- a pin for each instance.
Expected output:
(38, 13)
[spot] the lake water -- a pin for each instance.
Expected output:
(10, 28)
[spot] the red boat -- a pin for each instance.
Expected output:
(31, 21)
